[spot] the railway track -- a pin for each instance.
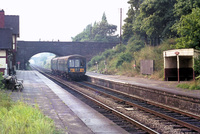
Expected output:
(186, 122)
(124, 121)
(183, 119)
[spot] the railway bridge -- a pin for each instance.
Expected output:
(26, 49)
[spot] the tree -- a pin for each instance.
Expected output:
(100, 32)
(184, 7)
(189, 30)
(150, 20)
(132, 14)
(85, 35)
(156, 17)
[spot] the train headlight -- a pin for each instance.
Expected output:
(72, 70)
(82, 70)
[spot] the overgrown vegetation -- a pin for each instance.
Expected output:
(125, 61)
(194, 85)
(1, 78)
(151, 27)
(19, 118)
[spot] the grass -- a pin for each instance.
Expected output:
(194, 85)
(19, 118)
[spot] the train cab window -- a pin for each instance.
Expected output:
(82, 63)
(71, 63)
(77, 63)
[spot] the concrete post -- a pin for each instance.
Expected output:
(178, 68)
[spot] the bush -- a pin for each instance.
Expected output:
(108, 53)
(135, 45)
(120, 48)
(197, 65)
(1, 78)
(124, 57)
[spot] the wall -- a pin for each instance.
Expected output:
(159, 95)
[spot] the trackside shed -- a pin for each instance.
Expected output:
(179, 64)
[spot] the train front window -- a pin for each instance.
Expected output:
(82, 63)
(71, 63)
(77, 63)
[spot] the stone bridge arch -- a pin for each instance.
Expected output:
(26, 49)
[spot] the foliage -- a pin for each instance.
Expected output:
(197, 65)
(19, 118)
(157, 20)
(192, 86)
(130, 20)
(1, 78)
(184, 86)
(151, 20)
(152, 53)
(5, 101)
(100, 32)
(163, 24)
(184, 7)
(134, 44)
(120, 48)
(189, 30)
(106, 55)
(157, 17)
(124, 57)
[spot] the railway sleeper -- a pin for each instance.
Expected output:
(178, 127)
(119, 122)
(187, 131)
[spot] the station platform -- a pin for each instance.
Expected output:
(168, 86)
(70, 115)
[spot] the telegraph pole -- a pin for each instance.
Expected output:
(120, 26)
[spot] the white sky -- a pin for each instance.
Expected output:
(61, 19)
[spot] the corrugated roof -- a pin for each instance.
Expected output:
(12, 21)
(5, 38)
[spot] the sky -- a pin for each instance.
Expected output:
(53, 20)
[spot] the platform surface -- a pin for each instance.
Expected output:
(168, 86)
(69, 113)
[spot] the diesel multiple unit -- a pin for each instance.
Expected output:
(72, 66)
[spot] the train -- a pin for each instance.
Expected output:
(72, 66)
